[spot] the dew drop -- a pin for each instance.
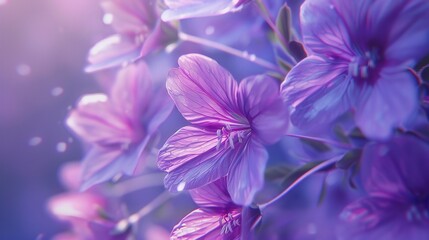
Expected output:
(61, 147)
(121, 226)
(108, 18)
(133, 218)
(209, 30)
(311, 229)
(170, 47)
(181, 186)
(252, 57)
(23, 69)
(57, 91)
(117, 177)
(34, 141)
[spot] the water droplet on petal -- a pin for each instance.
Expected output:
(35, 141)
(117, 177)
(93, 98)
(108, 18)
(210, 30)
(133, 218)
(57, 91)
(61, 147)
(170, 47)
(23, 69)
(181, 186)
(121, 227)
(311, 228)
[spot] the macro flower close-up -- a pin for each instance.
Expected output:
(214, 120)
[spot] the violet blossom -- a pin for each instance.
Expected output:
(396, 180)
(119, 128)
(230, 124)
(139, 31)
(217, 217)
(360, 55)
(179, 9)
(91, 215)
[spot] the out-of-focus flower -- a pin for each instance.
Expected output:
(217, 217)
(230, 122)
(396, 180)
(88, 212)
(360, 52)
(179, 9)
(139, 31)
(121, 126)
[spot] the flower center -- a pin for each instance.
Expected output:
(228, 223)
(363, 65)
(229, 136)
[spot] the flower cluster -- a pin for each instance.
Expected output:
(341, 93)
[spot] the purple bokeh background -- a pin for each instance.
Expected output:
(43, 48)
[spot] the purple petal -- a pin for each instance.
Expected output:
(132, 92)
(84, 206)
(203, 91)
(320, 91)
(102, 164)
(246, 174)
(374, 218)
(186, 144)
(389, 103)
(329, 26)
(180, 9)
(214, 195)
(409, 34)
(95, 121)
(397, 169)
(204, 225)
(113, 51)
(263, 105)
(191, 159)
(130, 16)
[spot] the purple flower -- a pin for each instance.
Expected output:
(119, 127)
(396, 180)
(230, 122)
(179, 9)
(360, 52)
(217, 216)
(139, 31)
(91, 215)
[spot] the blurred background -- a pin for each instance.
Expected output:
(43, 48)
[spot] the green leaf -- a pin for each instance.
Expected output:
(277, 172)
(283, 64)
(296, 49)
(316, 145)
(349, 159)
(298, 172)
(283, 22)
(341, 134)
(276, 76)
(357, 134)
(323, 192)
